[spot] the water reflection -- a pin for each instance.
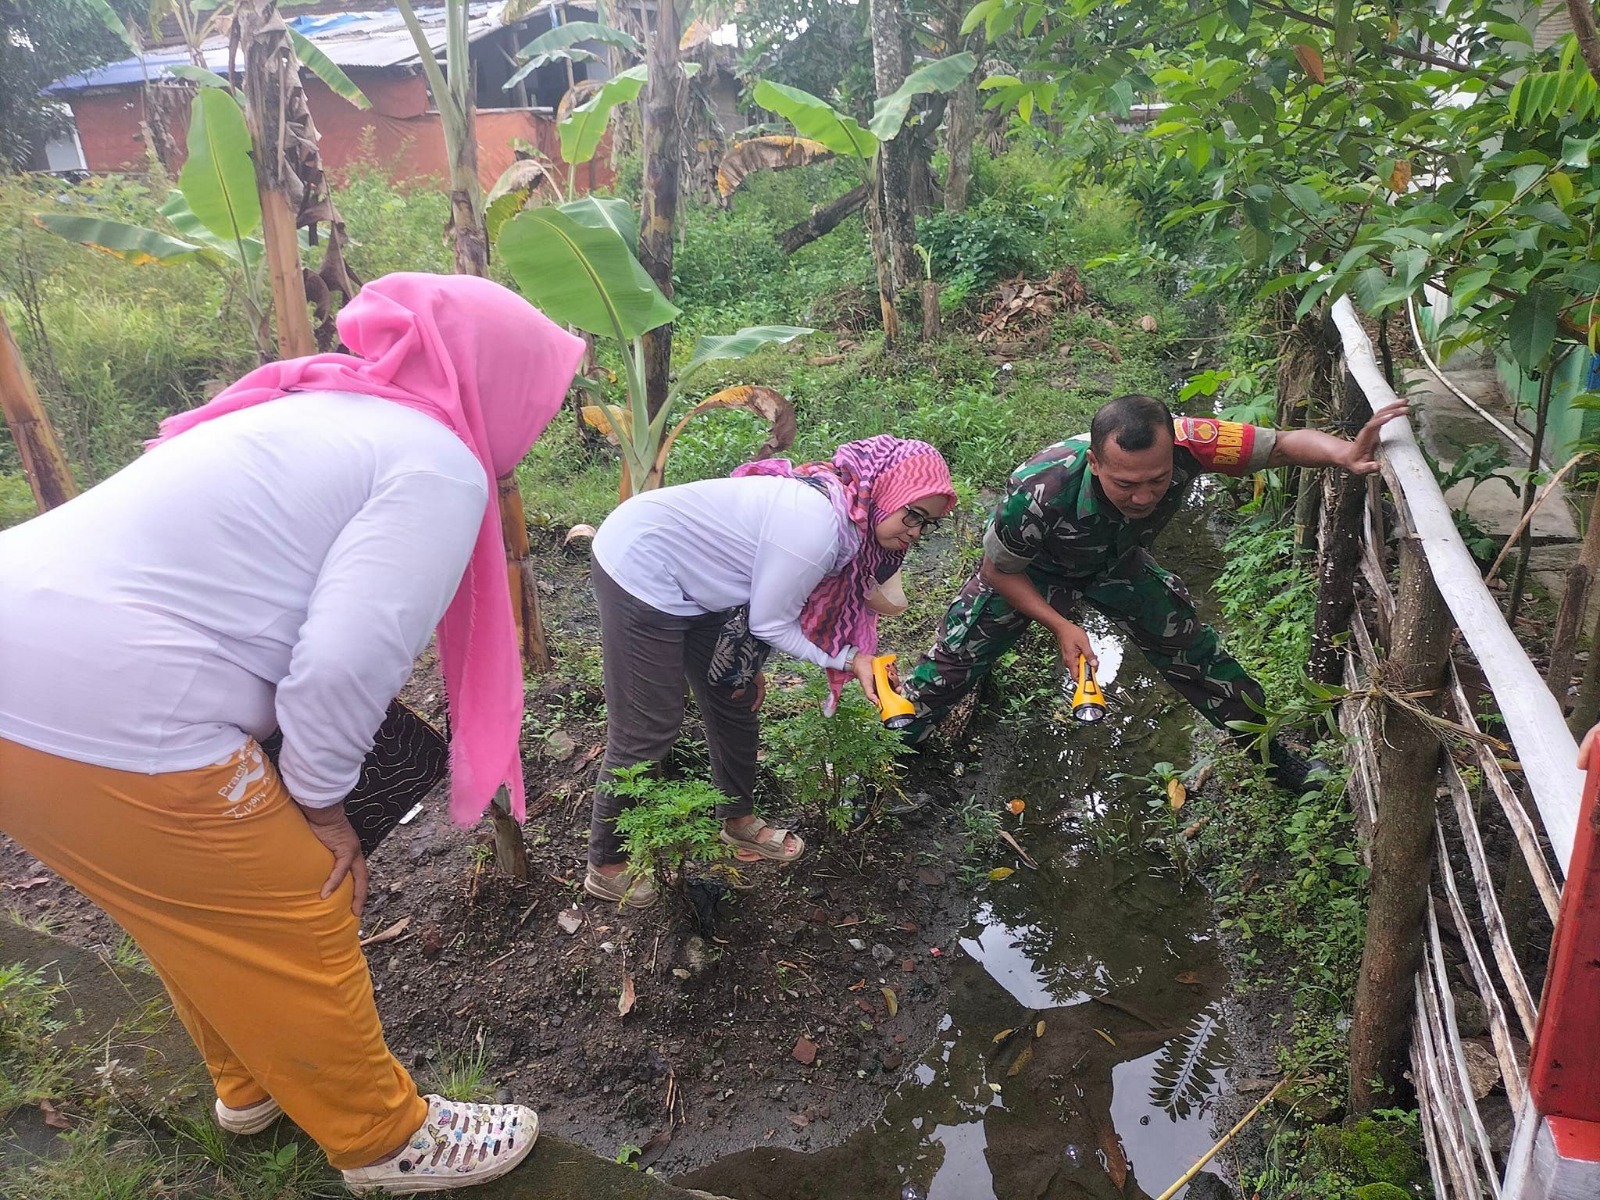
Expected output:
(1106, 972)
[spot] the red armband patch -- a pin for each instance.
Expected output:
(1222, 446)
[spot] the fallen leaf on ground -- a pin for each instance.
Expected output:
(52, 1117)
(1016, 807)
(1187, 977)
(1110, 1041)
(1148, 323)
(387, 935)
(857, 985)
(626, 1000)
(655, 1147)
(1038, 1030)
(891, 1000)
(1002, 1036)
(805, 1051)
(28, 883)
(1002, 873)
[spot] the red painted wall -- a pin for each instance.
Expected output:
(397, 134)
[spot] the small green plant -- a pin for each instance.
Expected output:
(980, 831)
(627, 1155)
(462, 1073)
(834, 766)
(670, 825)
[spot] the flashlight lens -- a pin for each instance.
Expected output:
(1088, 713)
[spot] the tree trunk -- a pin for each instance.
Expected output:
(278, 117)
(1341, 552)
(1574, 603)
(823, 220)
(42, 461)
(1402, 842)
(663, 163)
(471, 241)
(931, 318)
(894, 231)
(961, 129)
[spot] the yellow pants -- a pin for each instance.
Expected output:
(216, 875)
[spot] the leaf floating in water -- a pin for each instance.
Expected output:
(891, 1000)
(1015, 807)
(1176, 794)
(1017, 846)
(1000, 873)
(1110, 1041)
(1022, 1060)
(1001, 1036)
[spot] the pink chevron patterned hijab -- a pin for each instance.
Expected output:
(867, 481)
(491, 368)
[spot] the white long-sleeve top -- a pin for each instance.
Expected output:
(280, 566)
(696, 548)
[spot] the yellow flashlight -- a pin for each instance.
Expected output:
(1088, 701)
(898, 712)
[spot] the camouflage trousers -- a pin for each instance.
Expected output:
(1149, 604)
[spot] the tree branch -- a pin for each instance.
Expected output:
(1584, 29)
(1419, 56)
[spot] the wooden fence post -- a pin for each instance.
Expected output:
(1340, 550)
(1402, 841)
(42, 461)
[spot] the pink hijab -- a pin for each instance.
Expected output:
(491, 368)
(866, 482)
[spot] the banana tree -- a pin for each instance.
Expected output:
(825, 128)
(576, 263)
(214, 216)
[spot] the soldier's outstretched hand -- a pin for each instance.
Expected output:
(1362, 456)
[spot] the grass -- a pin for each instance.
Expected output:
(461, 1073)
(32, 1067)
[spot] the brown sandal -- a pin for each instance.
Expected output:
(764, 841)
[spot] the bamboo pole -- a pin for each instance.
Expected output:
(42, 460)
(1222, 1142)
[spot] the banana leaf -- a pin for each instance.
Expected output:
(582, 275)
(218, 178)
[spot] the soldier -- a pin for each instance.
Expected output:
(1075, 527)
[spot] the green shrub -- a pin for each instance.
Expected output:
(671, 825)
(834, 765)
(972, 249)
(394, 227)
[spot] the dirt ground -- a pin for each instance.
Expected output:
(788, 1028)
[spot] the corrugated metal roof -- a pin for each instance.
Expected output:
(350, 39)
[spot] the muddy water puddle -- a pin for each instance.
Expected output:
(1082, 1053)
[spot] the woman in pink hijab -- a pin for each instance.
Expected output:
(277, 560)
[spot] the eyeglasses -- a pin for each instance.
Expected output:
(915, 518)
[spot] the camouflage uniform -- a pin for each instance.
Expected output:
(1056, 525)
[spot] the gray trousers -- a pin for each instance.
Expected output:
(647, 654)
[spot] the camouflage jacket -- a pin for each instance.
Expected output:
(1054, 518)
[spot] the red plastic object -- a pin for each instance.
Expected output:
(1564, 1077)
